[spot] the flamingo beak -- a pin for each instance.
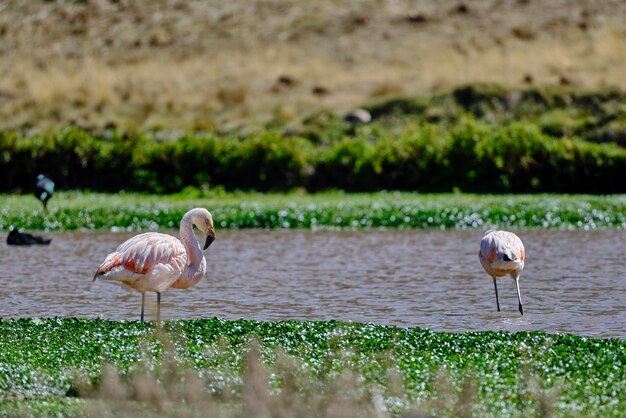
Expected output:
(209, 239)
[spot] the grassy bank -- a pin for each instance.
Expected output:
(70, 210)
(325, 368)
(482, 138)
(398, 152)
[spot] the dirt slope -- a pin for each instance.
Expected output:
(199, 64)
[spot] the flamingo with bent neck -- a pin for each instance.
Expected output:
(153, 262)
(502, 253)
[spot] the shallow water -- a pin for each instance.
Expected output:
(574, 281)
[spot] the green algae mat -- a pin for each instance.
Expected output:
(74, 210)
(93, 367)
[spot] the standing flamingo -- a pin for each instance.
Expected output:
(502, 253)
(154, 261)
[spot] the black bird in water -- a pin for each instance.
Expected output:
(44, 189)
(22, 238)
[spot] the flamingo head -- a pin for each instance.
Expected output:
(203, 220)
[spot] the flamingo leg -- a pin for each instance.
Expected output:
(158, 306)
(519, 296)
(143, 301)
(495, 286)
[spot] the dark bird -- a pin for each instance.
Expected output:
(44, 189)
(22, 238)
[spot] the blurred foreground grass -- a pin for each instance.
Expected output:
(214, 367)
(74, 210)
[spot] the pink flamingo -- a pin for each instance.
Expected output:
(502, 253)
(154, 261)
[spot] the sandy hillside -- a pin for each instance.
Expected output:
(202, 64)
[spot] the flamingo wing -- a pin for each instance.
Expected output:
(517, 247)
(146, 262)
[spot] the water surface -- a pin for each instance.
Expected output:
(574, 281)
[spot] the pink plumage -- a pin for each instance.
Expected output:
(502, 253)
(154, 262)
(146, 262)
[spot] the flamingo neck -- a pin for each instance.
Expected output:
(196, 263)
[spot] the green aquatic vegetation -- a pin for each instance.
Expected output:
(71, 210)
(492, 373)
(42, 407)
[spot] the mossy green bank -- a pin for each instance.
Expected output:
(73, 210)
(498, 373)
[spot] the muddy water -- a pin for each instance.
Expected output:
(574, 281)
